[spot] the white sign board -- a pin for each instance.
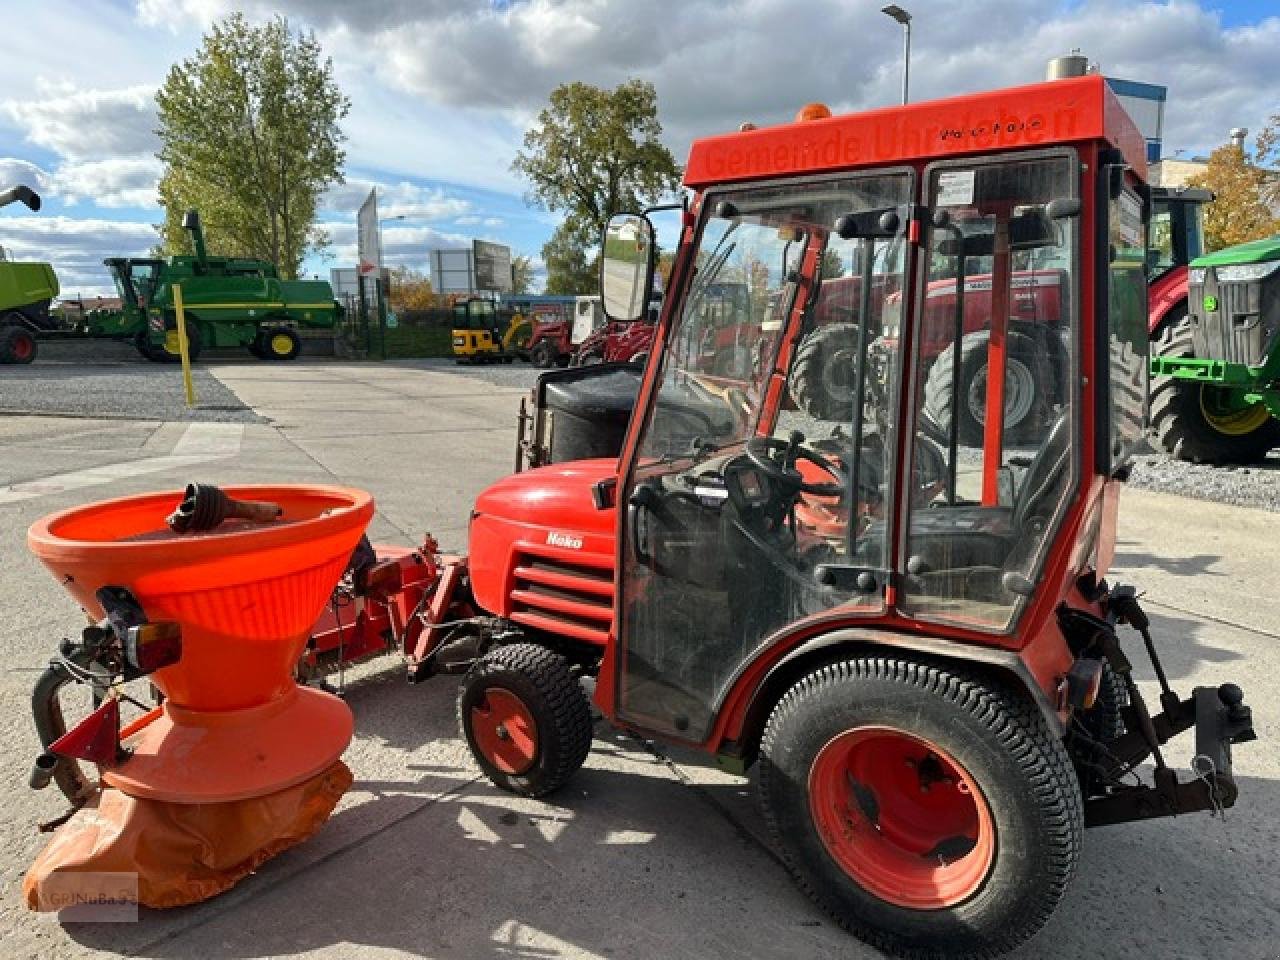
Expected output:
(367, 242)
(492, 265)
(453, 271)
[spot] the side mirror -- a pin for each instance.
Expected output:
(626, 266)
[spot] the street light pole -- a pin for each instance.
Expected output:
(904, 18)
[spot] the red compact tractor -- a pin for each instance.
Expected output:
(904, 628)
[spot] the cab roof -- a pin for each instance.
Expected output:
(1038, 115)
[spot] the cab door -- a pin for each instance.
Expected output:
(719, 550)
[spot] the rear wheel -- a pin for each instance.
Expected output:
(1204, 424)
(526, 719)
(279, 344)
(930, 813)
(1027, 386)
(543, 354)
(17, 345)
(821, 378)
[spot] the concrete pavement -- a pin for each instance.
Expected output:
(643, 855)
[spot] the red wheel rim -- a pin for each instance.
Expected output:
(504, 731)
(902, 818)
(22, 347)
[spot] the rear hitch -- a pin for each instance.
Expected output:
(1218, 714)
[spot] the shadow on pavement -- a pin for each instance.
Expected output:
(627, 861)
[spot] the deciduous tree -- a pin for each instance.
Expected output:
(521, 274)
(410, 290)
(1246, 188)
(249, 134)
(591, 153)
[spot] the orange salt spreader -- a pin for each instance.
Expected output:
(211, 595)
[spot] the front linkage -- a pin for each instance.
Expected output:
(1218, 714)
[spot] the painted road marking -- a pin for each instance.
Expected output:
(210, 439)
(199, 443)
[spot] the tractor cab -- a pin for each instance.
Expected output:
(135, 279)
(749, 518)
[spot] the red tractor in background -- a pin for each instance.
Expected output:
(908, 633)
(819, 379)
(556, 339)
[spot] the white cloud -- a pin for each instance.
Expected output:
(717, 63)
(75, 247)
(401, 199)
(114, 182)
(401, 245)
(86, 124)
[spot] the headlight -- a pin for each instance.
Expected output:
(1247, 271)
(1195, 275)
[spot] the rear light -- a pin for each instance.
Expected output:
(150, 646)
(1080, 686)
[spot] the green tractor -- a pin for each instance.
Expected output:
(26, 289)
(1215, 389)
(227, 301)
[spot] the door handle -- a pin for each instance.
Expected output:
(642, 498)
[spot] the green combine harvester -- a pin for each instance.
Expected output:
(228, 301)
(1215, 392)
(26, 290)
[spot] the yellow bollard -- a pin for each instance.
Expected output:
(182, 345)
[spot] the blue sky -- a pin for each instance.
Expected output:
(442, 91)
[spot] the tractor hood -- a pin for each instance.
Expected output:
(1255, 251)
(556, 497)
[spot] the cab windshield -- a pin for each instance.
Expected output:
(762, 254)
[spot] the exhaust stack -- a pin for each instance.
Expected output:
(191, 223)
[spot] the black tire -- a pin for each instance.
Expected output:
(17, 344)
(272, 341)
(641, 358)
(1016, 763)
(587, 358)
(1178, 423)
(541, 680)
(1026, 365)
(543, 354)
(161, 353)
(821, 378)
(143, 345)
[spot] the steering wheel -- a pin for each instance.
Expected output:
(762, 451)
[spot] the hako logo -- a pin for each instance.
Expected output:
(566, 540)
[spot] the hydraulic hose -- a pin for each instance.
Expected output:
(50, 725)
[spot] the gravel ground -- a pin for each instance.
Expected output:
(140, 390)
(1255, 486)
(128, 391)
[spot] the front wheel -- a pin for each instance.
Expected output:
(170, 351)
(526, 719)
(17, 345)
(930, 813)
(543, 355)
